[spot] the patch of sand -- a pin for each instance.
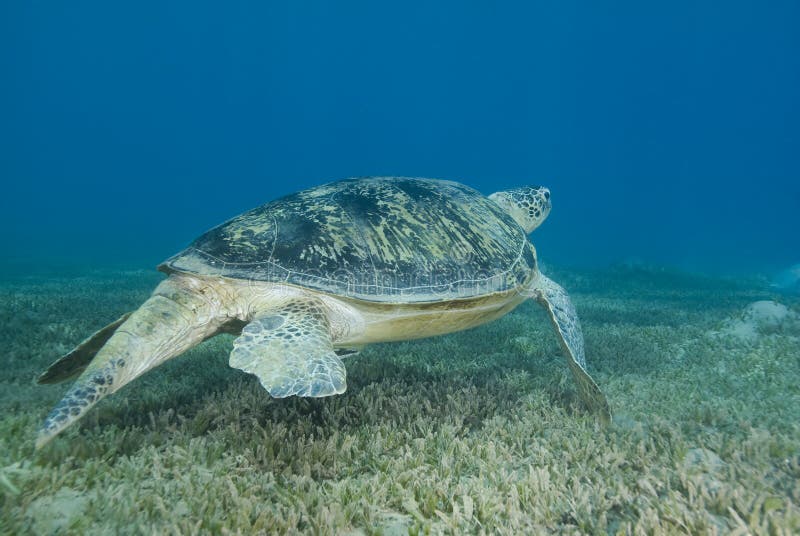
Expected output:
(54, 514)
(761, 318)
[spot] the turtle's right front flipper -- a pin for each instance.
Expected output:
(73, 363)
(289, 349)
(565, 321)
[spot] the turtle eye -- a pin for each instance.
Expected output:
(547, 195)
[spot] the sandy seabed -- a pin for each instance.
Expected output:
(478, 432)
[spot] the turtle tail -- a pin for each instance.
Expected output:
(181, 313)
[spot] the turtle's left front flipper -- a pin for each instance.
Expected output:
(290, 349)
(565, 321)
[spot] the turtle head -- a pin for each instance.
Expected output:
(529, 205)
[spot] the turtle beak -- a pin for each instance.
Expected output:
(544, 196)
(545, 192)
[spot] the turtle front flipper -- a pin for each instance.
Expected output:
(565, 321)
(73, 363)
(290, 350)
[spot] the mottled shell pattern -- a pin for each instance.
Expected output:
(386, 239)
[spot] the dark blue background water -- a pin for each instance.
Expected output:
(670, 133)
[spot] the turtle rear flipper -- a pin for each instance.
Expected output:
(349, 351)
(290, 350)
(175, 318)
(71, 364)
(565, 321)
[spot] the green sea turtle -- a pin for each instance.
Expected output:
(307, 278)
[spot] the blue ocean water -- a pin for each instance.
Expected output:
(667, 132)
